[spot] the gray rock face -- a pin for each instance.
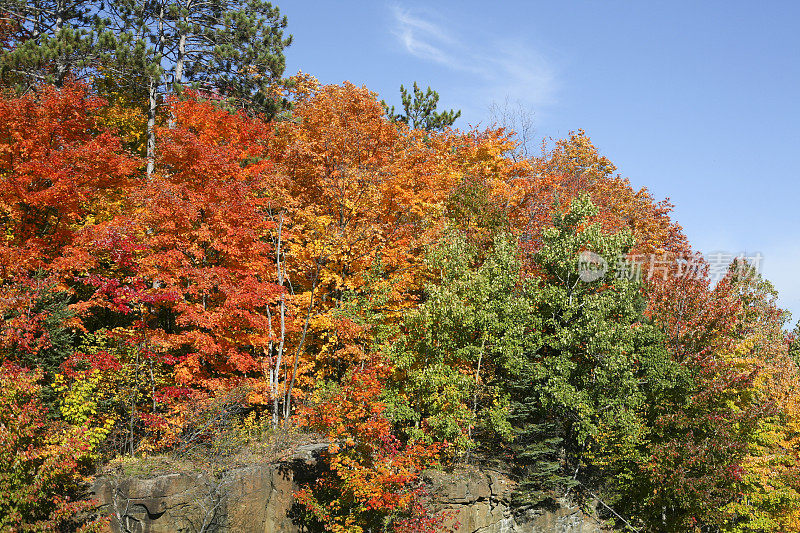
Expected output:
(259, 499)
(479, 502)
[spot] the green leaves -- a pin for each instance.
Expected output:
(586, 361)
(589, 360)
(471, 325)
(244, 54)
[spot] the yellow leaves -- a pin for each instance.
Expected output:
(771, 492)
(79, 405)
(130, 123)
(300, 86)
(123, 114)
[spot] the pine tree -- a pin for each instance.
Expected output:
(535, 445)
(49, 40)
(420, 110)
(229, 49)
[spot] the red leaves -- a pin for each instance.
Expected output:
(205, 246)
(56, 164)
(370, 469)
(41, 462)
(81, 362)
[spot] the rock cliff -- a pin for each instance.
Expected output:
(259, 499)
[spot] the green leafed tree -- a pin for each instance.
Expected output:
(588, 362)
(794, 345)
(419, 110)
(549, 366)
(471, 324)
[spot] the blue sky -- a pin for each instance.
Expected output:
(697, 101)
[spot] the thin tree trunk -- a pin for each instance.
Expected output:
(475, 392)
(181, 57)
(279, 360)
(151, 128)
(288, 405)
(268, 354)
(153, 99)
(61, 65)
(134, 399)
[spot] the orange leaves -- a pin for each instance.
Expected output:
(371, 473)
(353, 179)
(575, 166)
(361, 198)
(205, 232)
(59, 170)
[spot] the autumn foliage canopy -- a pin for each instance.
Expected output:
(415, 299)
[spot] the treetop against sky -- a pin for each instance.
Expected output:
(697, 102)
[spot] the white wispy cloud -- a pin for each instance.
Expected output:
(423, 38)
(502, 66)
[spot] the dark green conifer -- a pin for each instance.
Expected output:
(420, 110)
(49, 40)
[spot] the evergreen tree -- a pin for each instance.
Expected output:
(229, 49)
(49, 40)
(535, 446)
(420, 110)
(233, 48)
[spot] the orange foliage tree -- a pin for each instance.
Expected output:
(62, 171)
(203, 224)
(359, 197)
(575, 166)
(370, 475)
